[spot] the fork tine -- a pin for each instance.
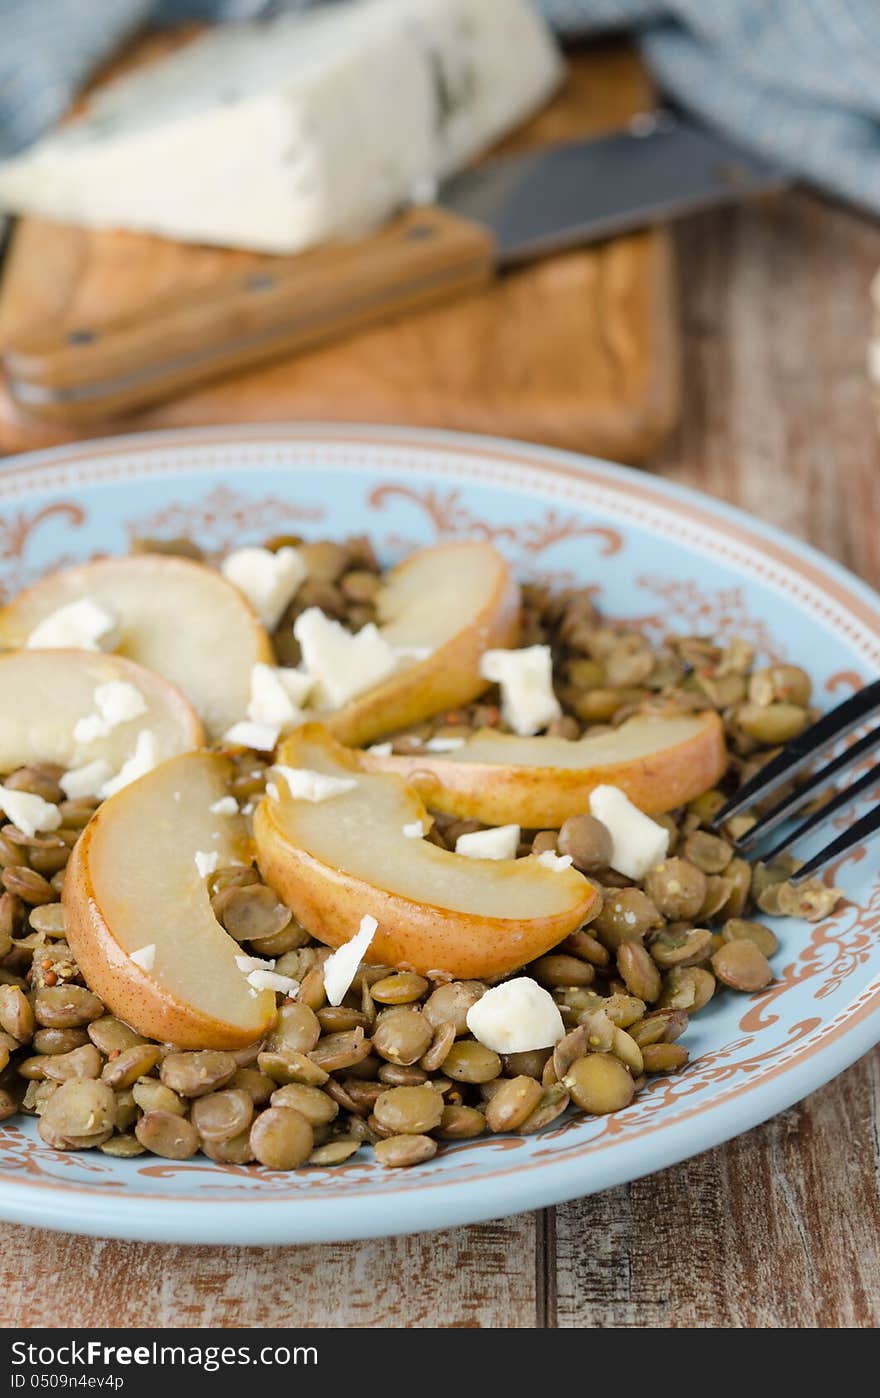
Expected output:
(843, 799)
(797, 798)
(835, 724)
(863, 829)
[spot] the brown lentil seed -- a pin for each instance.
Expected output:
(297, 1028)
(131, 1064)
(451, 1003)
(334, 1152)
(773, 724)
(409, 1111)
(626, 915)
(193, 1074)
(529, 1063)
(16, 1014)
(122, 1147)
(153, 1096)
(435, 1056)
(664, 1058)
(742, 965)
(587, 948)
(663, 1026)
(66, 1006)
(222, 1115)
(402, 1075)
(587, 841)
(50, 1041)
(397, 1152)
(48, 918)
(311, 991)
(514, 1101)
(281, 1138)
(236, 1151)
(79, 1114)
(471, 1062)
(28, 885)
(459, 1123)
(82, 1062)
(677, 888)
(403, 1035)
(680, 949)
(287, 1065)
(315, 1105)
(335, 1019)
(557, 969)
(738, 929)
(400, 989)
(337, 1051)
(623, 1010)
(639, 971)
(168, 1135)
(708, 852)
(554, 1100)
(251, 912)
(257, 1085)
(599, 1083)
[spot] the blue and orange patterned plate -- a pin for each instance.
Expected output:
(655, 553)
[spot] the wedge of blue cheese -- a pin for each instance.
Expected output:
(278, 135)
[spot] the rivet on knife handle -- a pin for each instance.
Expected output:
(88, 372)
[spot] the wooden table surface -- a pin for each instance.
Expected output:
(778, 1228)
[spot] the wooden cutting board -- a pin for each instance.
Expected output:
(578, 351)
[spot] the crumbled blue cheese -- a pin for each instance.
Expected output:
(551, 860)
(145, 957)
(414, 830)
(268, 580)
(499, 842)
(142, 760)
(441, 744)
(341, 967)
(277, 696)
(423, 86)
(515, 1017)
(305, 785)
(341, 665)
(381, 749)
(253, 963)
(81, 625)
(116, 702)
(27, 812)
(206, 862)
(87, 780)
(262, 737)
(271, 980)
(226, 805)
(637, 842)
(528, 702)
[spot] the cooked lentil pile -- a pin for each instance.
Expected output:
(394, 1065)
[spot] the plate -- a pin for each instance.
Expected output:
(654, 553)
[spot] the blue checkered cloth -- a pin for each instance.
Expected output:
(797, 80)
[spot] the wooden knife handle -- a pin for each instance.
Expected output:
(84, 373)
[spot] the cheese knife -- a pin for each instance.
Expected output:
(501, 213)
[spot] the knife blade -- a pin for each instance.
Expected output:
(502, 213)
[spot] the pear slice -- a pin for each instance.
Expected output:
(176, 617)
(456, 600)
(132, 883)
(499, 778)
(334, 860)
(43, 693)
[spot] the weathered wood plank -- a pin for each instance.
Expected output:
(775, 1229)
(480, 1276)
(781, 1227)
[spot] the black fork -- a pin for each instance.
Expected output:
(836, 724)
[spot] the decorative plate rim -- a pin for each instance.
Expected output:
(537, 1182)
